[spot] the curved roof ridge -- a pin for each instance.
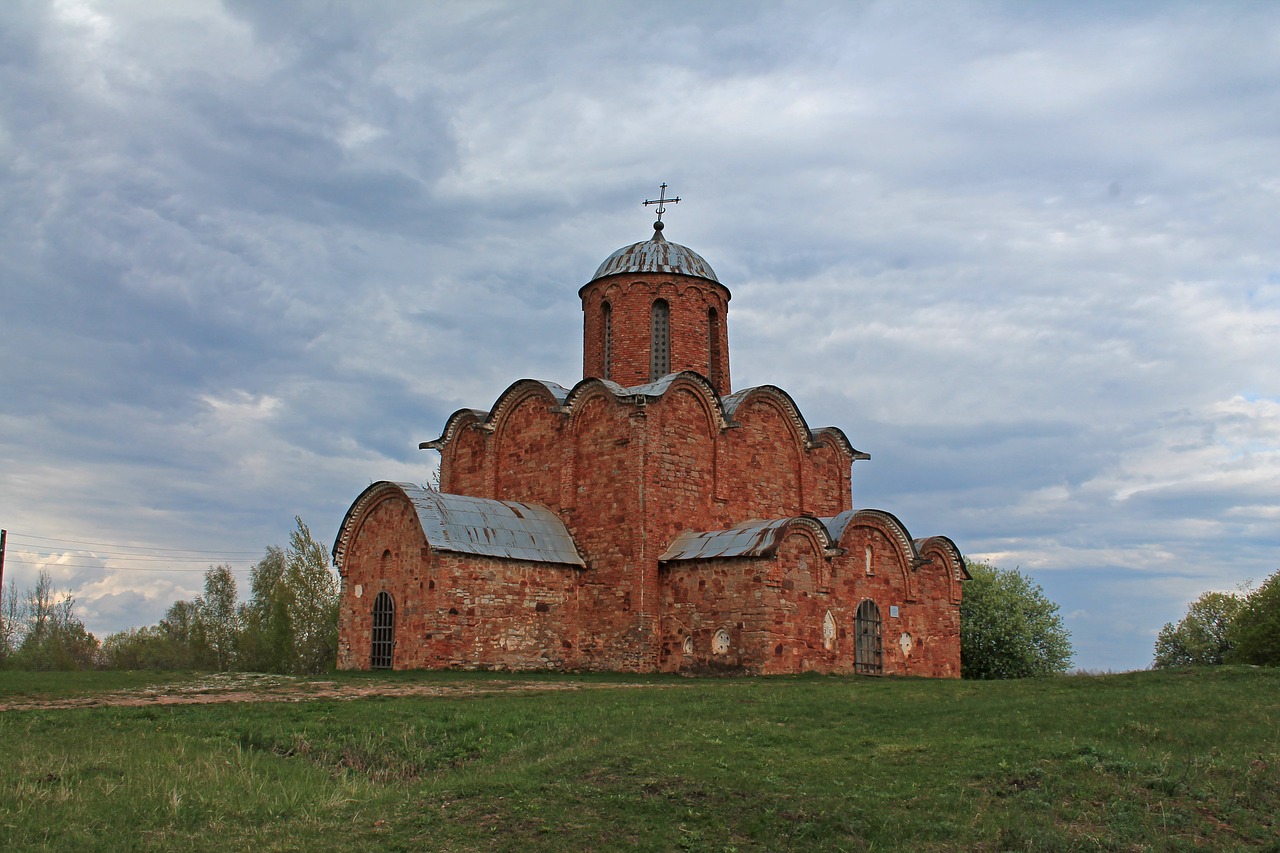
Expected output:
(500, 406)
(837, 524)
(557, 391)
(947, 545)
(842, 439)
(451, 427)
(753, 538)
(732, 402)
(658, 388)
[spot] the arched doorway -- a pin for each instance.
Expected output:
(384, 632)
(867, 650)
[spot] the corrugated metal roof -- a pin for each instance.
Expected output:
(650, 389)
(732, 401)
(749, 539)
(836, 524)
(656, 254)
(467, 525)
(557, 390)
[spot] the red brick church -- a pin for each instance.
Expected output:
(650, 518)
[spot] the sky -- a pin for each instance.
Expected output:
(1023, 254)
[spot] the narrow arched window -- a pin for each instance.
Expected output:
(713, 346)
(660, 341)
(607, 321)
(867, 650)
(383, 635)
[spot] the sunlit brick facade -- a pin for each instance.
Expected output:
(646, 519)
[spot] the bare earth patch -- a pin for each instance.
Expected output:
(254, 687)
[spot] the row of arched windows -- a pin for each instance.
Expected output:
(660, 340)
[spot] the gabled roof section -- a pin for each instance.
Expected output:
(467, 525)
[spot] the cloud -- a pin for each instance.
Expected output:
(252, 254)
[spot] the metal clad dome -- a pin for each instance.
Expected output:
(656, 255)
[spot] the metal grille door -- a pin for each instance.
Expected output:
(384, 632)
(867, 655)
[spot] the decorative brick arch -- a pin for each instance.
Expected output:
(463, 431)
(941, 552)
(519, 391)
(697, 386)
(893, 530)
(814, 533)
(788, 454)
(365, 504)
(457, 422)
(527, 418)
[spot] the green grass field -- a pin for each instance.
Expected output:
(1159, 761)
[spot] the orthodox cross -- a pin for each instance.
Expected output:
(662, 201)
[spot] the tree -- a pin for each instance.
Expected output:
(266, 638)
(183, 630)
(313, 604)
(144, 648)
(1201, 638)
(218, 616)
(291, 620)
(53, 637)
(1254, 634)
(10, 623)
(1008, 628)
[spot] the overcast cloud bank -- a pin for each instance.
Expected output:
(1023, 254)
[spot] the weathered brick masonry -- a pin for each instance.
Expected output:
(646, 519)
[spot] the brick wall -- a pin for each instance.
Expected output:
(627, 475)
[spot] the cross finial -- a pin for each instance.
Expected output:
(661, 201)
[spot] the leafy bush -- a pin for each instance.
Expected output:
(1201, 637)
(1254, 633)
(1009, 628)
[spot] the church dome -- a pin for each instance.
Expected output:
(656, 254)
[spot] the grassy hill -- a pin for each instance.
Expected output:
(1154, 760)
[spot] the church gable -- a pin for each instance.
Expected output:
(763, 456)
(527, 438)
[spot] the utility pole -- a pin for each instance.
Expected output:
(4, 534)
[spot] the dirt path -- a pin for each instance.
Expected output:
(249, 687)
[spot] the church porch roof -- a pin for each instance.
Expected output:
(467, 525)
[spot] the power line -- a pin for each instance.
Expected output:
(143, 558)
(127, 547)
(48, 564)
